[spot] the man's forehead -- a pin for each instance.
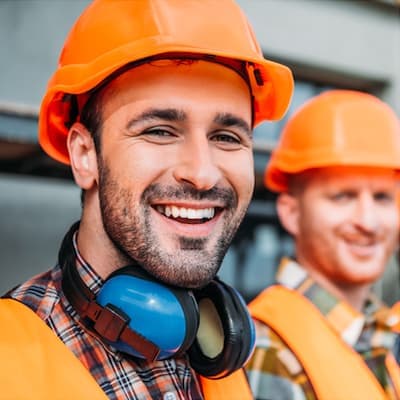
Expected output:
(347, 171)
(176, 67)
(164, 86)
(339, 176)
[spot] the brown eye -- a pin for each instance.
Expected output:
(384, 197)
(226, 138)
(342, 196)
(227, 141)
(158, 132)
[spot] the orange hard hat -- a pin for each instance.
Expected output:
(335, 128)
(113, 33)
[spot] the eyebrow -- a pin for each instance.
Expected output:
(231, 120)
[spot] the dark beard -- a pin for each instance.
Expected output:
(130, 230)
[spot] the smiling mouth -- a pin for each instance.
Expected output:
(188, 215)
(363, 248)
(362, 243)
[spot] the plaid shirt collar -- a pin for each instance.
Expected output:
(89, 276)
(350, 324)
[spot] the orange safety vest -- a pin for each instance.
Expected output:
(335, 370)
(396, 311)
(37, 365)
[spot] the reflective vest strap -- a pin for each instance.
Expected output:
(233, 387)
(396, 311)
(334, 369)
(35, 363)
(394, 371)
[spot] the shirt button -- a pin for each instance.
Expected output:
(169, 396)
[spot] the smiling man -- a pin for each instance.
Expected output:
(321, 334)
(183, 178)
(152, 105)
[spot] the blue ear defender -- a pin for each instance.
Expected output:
(166, 316)
(147, 319)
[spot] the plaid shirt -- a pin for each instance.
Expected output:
(120, 376)
(274, 371)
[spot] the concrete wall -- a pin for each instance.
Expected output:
(35, 214)
(31, 36)
(348, 35)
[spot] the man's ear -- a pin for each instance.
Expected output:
(83, 157)
(288, 211)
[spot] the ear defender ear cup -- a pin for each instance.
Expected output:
(167, 316)
(226, 334)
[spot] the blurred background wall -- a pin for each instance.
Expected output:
(351, 44)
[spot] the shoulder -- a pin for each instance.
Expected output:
(269, 346)
(40, 293)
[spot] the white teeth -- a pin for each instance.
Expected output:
(188, 213)
(175, 212)
(364, 244)
(191, 213)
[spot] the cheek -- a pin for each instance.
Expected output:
(240, 173)
(391, 232)
(330, 217)
(391, 220)
(320, 223)
(140, 164)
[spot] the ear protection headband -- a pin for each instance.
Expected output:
(148, 319)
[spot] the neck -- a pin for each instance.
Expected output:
(354, 294)
(95, 246)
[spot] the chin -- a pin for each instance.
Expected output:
(360, 279)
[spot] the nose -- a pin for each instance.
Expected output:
(197, 163)
(366, 213)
